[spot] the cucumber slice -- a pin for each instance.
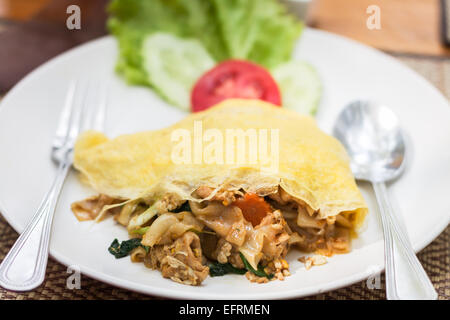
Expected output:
(300, 86)
(173, 65)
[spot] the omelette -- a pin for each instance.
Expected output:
(228, 190)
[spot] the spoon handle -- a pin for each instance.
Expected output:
(405, 276)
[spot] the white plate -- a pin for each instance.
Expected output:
(29, 114)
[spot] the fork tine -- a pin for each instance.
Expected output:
(84, 109)
(87, 107)
(99, 119)
(97, 106)
(78, 115)
(62, 130)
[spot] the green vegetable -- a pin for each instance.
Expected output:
(256, 30)
(300, 86)
(132, 20)
(144, 217)
(173, 65)
(120, 250)
(220, 269)
(140, 231)
(260, 272)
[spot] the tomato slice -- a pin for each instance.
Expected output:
(234, 79)
(253, 207)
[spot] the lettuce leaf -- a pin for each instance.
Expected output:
(257, 30)
(132, 20)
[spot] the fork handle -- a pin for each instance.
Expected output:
(24, 266)
(405, 276)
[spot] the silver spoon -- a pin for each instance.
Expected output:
(374, 141)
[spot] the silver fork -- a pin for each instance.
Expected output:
(24, 266)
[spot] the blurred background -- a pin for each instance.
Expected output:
(33, 31)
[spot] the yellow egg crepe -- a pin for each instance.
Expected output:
(232, 151)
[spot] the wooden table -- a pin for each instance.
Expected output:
(407, 26)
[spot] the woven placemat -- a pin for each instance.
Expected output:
(435, 257)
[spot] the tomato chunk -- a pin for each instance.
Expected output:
(234, 79)
(253, 207)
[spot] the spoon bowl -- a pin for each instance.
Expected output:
(372, 136)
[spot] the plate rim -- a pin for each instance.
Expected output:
(430, 236)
